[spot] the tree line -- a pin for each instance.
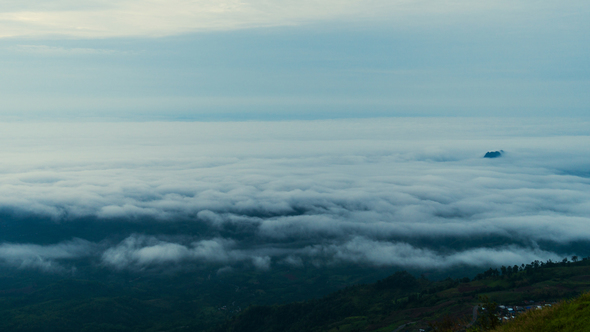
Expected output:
(508, 271)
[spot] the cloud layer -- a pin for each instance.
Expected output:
(414, 193)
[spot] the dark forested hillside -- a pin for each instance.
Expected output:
(402, 298)
(248, 301)
(379, 298)
(193, 300)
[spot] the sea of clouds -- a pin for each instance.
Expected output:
(411, 193)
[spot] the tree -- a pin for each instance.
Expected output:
(574, 259)
(487, 319)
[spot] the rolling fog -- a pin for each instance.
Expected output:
(403, 192)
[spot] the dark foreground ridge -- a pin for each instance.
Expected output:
(247, 301)
(414, 303)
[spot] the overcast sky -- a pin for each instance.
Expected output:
(235, 60)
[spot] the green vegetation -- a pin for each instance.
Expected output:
(567, 316)
(348, 309)
(401, 299)
(195, 300)
(209, 300)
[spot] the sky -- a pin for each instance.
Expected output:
(132, 60)
(149, 134)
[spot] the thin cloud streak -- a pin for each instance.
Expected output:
(138, 251)
(61, 51)
(45, 257)
(364, 251)
(100, 19)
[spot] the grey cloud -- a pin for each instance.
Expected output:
(142, 251)
(361, 250)
(293, 261)
(139, 251)
(262, 263)
(225, 270)
(44, 257)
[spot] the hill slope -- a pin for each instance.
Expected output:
(570, 316)
(401, 299)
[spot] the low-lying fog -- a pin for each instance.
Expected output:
(408, 193)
